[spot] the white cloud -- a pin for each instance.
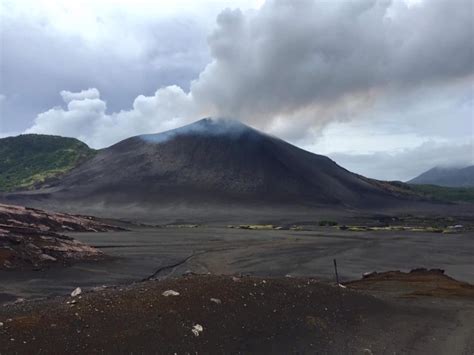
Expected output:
(85, 116)
(68, 96)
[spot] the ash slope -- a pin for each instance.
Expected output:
(217, 161)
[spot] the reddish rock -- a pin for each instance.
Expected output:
(31, 237)
(20, 216)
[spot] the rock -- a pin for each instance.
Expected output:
(197, 329)
(99, 288)
(368, 274)
(436, 271)
(30, 238)
(43, 221)
(33, 247)
(216, 300)
(1, 324)
(170, 293)
(76, 292)
(46, 257)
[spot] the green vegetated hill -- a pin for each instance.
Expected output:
(435, 192)
(443, 193)
(29, 160)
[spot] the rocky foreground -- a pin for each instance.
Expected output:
(207, 314)
(31, 238)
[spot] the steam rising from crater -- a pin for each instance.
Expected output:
(206, 127)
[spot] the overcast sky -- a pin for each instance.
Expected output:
(385, 88)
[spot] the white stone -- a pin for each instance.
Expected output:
(197, 329)
(170, 293)
(76, 292)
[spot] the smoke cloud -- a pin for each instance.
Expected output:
(293, 66)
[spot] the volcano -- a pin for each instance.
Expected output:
(216, 161)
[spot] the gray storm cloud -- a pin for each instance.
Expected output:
(294, 65)
(292, 56)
